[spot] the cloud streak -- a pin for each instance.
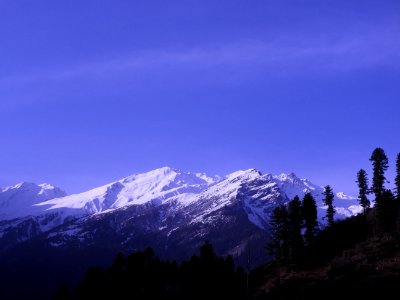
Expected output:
(282, 57)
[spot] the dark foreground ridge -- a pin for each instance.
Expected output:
(142, 275)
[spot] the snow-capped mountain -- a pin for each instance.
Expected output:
(157, 187)
(19, 200)
(346, 206)
(165, 208)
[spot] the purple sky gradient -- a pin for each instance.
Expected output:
(92, 92)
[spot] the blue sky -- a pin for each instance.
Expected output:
(93, 91)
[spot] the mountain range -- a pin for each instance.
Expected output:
(167, 209)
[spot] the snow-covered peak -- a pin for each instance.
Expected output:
(47, 186)
(291, 178)
(293, 186)
(156, 187)
(343, 196)
(224, 193)
(18, 200)
(244, 174)
(154, 174)
(232, 182)
(21, 185)
(287, 177)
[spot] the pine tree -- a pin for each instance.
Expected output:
(380, 165)
(362, 181)
(397, 179)
(386, 212)
(309, 215)
(279, 246)
(295, 224)
(207, 252)
(328, 200)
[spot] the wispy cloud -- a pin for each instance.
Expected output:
(287, 56)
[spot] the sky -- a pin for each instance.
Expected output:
(93, 91)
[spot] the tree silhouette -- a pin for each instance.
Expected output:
(309, 215)
(397, 179)
(295, 225)
(380, 165)
(142, 275)
(362, 182)
(279, 245)
(207, 252)
(386, 212)
(328, 201)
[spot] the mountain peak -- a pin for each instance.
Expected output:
(161, 172)
(21, 185)
(165, 170)
(19, 200)
(155, 187)
(290, 177)
(47, 186)
(244, 173)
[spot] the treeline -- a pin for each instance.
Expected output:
(297, 240)
(387, 203)
(297, 243)
(142, 275)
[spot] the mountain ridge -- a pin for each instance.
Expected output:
(156, 186)
(16, 200)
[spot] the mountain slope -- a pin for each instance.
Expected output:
(157, 186)
(19, 200)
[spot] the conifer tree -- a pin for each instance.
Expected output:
(386, 212)
(279, 246)
(309, 215)
(295, 225)
(207, 252)
(397, 179)
(380, 165)
(328, 201)
(362, 181)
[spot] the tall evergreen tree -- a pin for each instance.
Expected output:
(380, 165)
(328, 201)
(279, 245)
(386, 212)
(309, 215)
(397, 179)
(295, 225)
(362, 181)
